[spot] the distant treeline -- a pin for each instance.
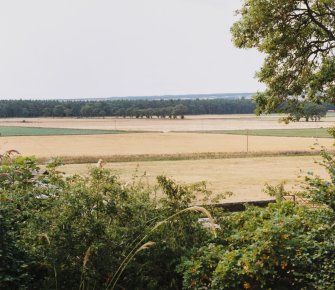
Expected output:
(124, 108)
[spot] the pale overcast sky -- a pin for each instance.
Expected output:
(102, 48)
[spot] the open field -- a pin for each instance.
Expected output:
(187, 156)
(34, 131)
(190, 123)
(37, 131)
(307, 132)
(243, 176)
(77, 146)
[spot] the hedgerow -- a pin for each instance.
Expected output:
(97, 232)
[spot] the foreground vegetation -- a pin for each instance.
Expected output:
(95, 232)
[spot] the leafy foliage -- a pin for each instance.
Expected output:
(284, 246)
(298, 39)
(95, 232)
(280, 247)
(66, 233)
(303, 109)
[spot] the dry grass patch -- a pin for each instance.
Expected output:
(243, 176)
(175, 157)
(155, 144)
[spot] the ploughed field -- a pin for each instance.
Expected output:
(214, 146)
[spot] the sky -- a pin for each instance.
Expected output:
(104, 48)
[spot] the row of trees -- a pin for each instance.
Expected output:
(124, 108)
(153, 108)
(95, 232)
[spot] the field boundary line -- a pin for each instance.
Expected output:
(177, 157)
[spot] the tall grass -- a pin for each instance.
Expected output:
(182, 156)
(140, 246)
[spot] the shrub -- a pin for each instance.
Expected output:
(283, 246)
(96, 232)
(66, 233)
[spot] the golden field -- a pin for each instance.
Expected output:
(154, 143)
(190, 123)
(243, 176)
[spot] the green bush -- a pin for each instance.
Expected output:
(283, 246)
(96, 232)
(280, 247)
(75, 232)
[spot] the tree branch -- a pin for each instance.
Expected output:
(317, 22)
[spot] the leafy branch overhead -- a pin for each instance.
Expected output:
(298, 40)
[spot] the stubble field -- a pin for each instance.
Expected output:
(244, 176)
(190, 123)
(155, 144)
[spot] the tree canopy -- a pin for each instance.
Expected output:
(144, 108)
(298, 40)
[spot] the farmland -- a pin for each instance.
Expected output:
(190, 123)
(131, 156)
(245, 177)
(35, 131)
(213, 148)
(306, 132)
(101, 146)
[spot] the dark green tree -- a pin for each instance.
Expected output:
(86, 110)
(314, 112)
(58, 111)
(179, 110)
(303, 109)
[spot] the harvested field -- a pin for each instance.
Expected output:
(190, 123)
(154, 144)
(306, 132)
(243, 176)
